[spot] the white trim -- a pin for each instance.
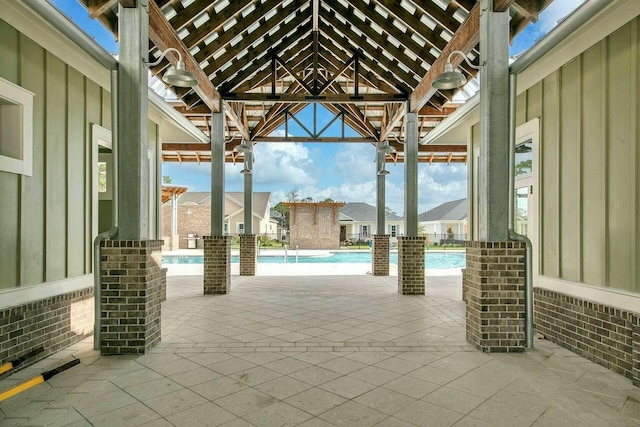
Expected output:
(26, 294)
(598, 28)
(606, 296)
(22, 100)
(32, 25)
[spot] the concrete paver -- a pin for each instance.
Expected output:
(321, 351)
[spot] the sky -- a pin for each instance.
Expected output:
(342, 172)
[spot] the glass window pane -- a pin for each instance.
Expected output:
(521, 212)
(524, 158)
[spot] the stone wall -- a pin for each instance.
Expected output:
(130, 296)
(53, 323)
(600, 333)
(494, 292)
(411, 274)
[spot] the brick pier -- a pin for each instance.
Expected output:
(217, 265)
(248, 254)
(494, 293)
(130, 296)
(380, 255)
(411, 265)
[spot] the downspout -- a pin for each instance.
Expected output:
(113, 232)
(528, 264)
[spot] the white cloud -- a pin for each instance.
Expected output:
(355, 162)
(277, 163)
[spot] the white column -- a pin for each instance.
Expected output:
(380, 195)
(248, 195)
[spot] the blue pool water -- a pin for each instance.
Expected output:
(432, 259)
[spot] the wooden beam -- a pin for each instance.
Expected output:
(465, 39)
(322, 139)
(306, 98)
(97, 8)
(128, 3)
(392, 122)
(164, 36)
(236, 121)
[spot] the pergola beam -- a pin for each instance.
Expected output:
(164, 36)
(465, 39)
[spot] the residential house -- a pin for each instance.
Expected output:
(358, 222)
(445, 222)
(194, 218)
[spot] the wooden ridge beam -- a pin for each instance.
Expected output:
(465, 39)
(306, 98)
(164, 36)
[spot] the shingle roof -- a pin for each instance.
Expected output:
(360, 211)
(456, 210)
(260, 200)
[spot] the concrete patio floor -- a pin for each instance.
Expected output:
(316, 351)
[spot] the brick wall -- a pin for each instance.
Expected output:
(248, 254)
(494, 291)
(130, 301)
(217, 265)
(411, 265)
(192, 219)
(53, 323)
(380, 255)
(314, 227)
(600, 333)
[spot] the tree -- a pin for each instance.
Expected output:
(293, 195)
(284, 215)
(389, 211)
(166, 179)
(328, 200)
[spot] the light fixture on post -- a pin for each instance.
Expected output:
(384, 147)
(243, 147)
(451, 79)
(383, 171)
(177, 76)
(246, 170)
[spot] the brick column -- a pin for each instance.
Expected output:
(130, 296)
(494, 282)
(380, 255)
(636, 351)
(411, 265)
(464, 284)
(163, 285)
(217, 265)
(248, 254)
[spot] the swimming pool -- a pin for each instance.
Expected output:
(432, 259)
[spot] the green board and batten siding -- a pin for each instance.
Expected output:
(590, 157)
(46, 220)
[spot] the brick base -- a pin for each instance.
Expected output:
(411, 265)
(605, 335)
(130, 302)
(248, 254)
(163, 284)
(380, 255)
(494, 291)
(53, 323)
(217, 265)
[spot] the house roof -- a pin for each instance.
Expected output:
(364, 212)
(456, 210)
(260, 201)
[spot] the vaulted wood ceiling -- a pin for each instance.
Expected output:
(364, 60)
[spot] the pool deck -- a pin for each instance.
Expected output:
(320, 351)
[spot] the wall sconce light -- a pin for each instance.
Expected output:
(243, 147)
(177, 76)
(383, 171)
(384, 147)
(451, 79)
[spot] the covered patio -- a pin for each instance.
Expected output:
(339, 350)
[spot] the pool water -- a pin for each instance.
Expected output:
(432, 259)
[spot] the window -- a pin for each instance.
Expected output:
(364, 231)
(226, 227)
(16, 129)
(393, 230)
(240, 228)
